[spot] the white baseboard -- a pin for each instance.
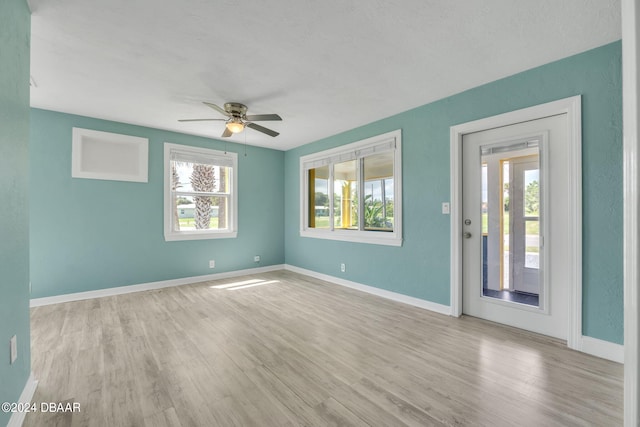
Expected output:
(589, 345)
(36, 302)
(417, 302)
(593, 346)
(602, 349)
(17, 418)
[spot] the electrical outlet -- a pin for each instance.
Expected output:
(212, 263)
(13, 348)
(256, 258)
(343, 267)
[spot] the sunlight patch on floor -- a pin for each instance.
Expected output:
(244, 284)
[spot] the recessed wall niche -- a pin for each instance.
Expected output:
(110, 156)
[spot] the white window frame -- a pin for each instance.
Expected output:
(356, 150)
(232, 230)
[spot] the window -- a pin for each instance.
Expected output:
(354, 192)
(200, 193)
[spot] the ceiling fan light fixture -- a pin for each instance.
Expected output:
(236, 119)
(235, 125)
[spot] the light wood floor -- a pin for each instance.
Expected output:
(297, 351)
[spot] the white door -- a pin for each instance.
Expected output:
(516, 225)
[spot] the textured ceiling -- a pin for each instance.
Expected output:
(324, 66)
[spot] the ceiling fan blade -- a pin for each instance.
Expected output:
(263, 129)
(263, 117)
(200, 120)
(218, 109)
(227, 133)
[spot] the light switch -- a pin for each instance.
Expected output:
(445, 208)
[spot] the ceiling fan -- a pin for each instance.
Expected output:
(237, 119)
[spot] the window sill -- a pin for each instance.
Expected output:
(369, 237)
(186, 235)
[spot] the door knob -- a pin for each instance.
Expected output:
(467, 235)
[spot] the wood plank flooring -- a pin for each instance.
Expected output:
(282, 349)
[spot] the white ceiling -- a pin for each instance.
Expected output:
(324, 66)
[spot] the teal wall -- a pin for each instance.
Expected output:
(420, 268)
(89, 234)
(15, 33)
(93, 234)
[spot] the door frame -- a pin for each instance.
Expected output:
(631, 200)
(572, 107)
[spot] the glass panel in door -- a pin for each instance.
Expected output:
(511, 213)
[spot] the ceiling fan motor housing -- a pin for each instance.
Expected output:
(236, 109)
(237, 119)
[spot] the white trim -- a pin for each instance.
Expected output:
(631, 215)
(377, 237)
(600, 348)
(36, 302)
(17, 418)
(592, 346)
(390, 141)
(455, 209)
(588, 345)
(108, 151)
(200, 235)
(572, 107)
(394, 296)
(232, 232)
